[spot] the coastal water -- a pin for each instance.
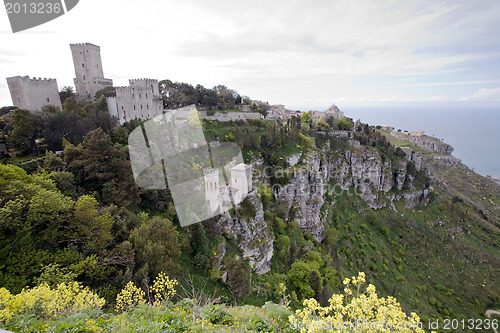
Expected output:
(473, 132)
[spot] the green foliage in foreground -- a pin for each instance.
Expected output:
(170, 318)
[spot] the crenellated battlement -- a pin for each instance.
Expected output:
(85, 44)
(142, 81)
(26, 78)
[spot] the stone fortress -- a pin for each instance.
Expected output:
(223, 195)
(33, 94)
(141, 99)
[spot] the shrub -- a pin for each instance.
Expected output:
(128, 297)
(164, 288)
(354, 306)
(48, 303)
(218, 315)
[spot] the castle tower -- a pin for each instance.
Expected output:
(141, 99)
(88, 70)
(212, 189)
(33, 94)
(241, 181)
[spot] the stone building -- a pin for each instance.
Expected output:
(332, 112)
(33, 94)
(223, 196)
(141, 99)
(88, 70)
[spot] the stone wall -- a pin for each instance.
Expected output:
(231, 116)
(33, 94)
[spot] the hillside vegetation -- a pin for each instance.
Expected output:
(423, 228)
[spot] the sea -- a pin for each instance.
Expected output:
(474, 132)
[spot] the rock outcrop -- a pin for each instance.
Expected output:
(303, 196)
(426, 142)
(255, 239)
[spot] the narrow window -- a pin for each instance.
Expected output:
(140, 96)
(141, 106)
(146, 95)
(84, 78)
(147, 106)
(48, 100)
(83, 65)
(134, 106)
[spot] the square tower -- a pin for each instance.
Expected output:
(88, 70)
(241, 181)
(141, 99)
(33, 94)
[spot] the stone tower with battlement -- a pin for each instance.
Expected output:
(88, 70)
(241, 181)
(212, 191)
(33, 94)
(140, 100)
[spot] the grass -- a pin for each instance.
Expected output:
(169, 318)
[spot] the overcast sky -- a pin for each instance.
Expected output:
(302, 54)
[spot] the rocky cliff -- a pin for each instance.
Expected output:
(354, 171)
(426, 142)
(254, 237)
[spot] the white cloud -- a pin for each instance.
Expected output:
(485, 94)
(283, 51)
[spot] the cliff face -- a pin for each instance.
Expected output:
(361, 172)
(426, 142)
(255, 239)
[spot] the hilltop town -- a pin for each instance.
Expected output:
(141, 99)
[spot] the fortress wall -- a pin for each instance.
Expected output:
(33, 94)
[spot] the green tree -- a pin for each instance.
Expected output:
(298, 280)
(23, 128)
(344, 124)
(305, 122)
(66, 92)
(238, 278)
(107, 170)
(156, 247)
(89, 227)
(109, 91)
(200, 247)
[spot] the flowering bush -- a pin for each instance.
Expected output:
(164, 288)
(355, 311)
(129, 296)
(45, 302)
